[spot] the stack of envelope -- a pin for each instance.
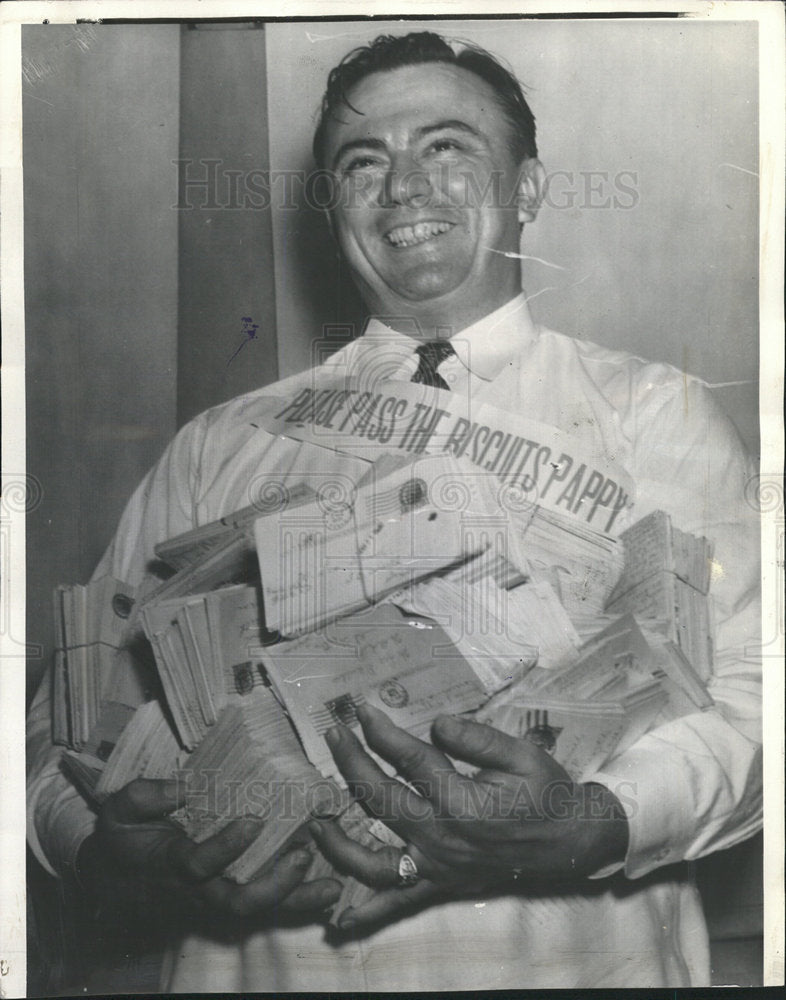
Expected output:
(411, 591)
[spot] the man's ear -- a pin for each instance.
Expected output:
(532, 187)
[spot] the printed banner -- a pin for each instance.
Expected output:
(548, 466)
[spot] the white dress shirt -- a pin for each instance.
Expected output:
(692, 786)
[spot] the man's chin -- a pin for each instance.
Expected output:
(427, 285)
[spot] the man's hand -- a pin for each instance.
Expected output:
(520, 819)
(139, 860)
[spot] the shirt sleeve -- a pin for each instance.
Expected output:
(693, 785)
(58, 818)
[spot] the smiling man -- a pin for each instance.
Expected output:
(434, 184)
(432, 149)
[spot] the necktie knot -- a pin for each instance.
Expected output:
(430, 357)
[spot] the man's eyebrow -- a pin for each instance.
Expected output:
(449, 123)
(347, 147)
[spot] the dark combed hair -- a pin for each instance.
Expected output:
(388, 52)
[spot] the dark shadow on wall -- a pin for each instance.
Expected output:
(318, 278)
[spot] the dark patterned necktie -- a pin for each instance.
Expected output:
(431, 355)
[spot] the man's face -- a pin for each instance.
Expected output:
(427, 193)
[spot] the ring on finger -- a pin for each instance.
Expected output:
(407, 870)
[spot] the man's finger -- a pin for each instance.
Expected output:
(311, 897)
(386, 905)
(199, 862)
(453, 795)
(261, 895)
(145, 799)
(402, 809)
(425, 767)
(376, 868)
(486, 747)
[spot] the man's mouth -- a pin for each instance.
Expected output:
(409, 236)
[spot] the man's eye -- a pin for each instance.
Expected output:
(444, 145)
(360, 163)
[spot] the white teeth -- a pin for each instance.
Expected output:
(407, 236)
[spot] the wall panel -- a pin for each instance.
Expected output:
(226, 252)
(101, 129)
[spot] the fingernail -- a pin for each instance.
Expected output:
(333, 736)
(448, 725)
(250, 817)
(315, 829)
(347, 920)
(301, 858)
(329, 896)
(326, 811)
(252, 823)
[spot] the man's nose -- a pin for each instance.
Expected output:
(406, 183)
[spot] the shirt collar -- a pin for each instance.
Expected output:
(485, 347)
